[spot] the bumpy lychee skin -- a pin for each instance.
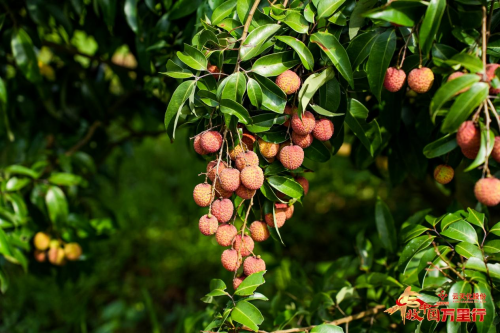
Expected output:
(305, 125)
(40, 256)
(495, 153)
(211, 141)
(248, 139)
(212, 168)
(202, 195)
(487, 191)
(253, 265)
(252, 177)
(280, 218)
(246, 159)
(41, 241)
(289, 212)
(208, 225)
(238, 149)
(420, 80)
(259, 231)
(469, 136)
(220, 192)
(290, 112)
(302, 141)
(72, 251)
(303, 182)
(215, 71)
(470, 153)
(323, 130)
(223, 210)
(230, 260)
(283, 145)
(289, 82)
(268, 149)
(225, 234)
(237, 281)
(292, 157)
(246, 247)
(230, 179)
(490, 73)
(244, 192)
(443, 174)
(56, 256)
(394, 79)
(197, 146)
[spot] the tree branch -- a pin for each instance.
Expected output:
(85, 139)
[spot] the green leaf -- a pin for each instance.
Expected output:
(264, 122)
(385, 226)
(449, 219)
(254, 92)
(21, 170)
(176, 71)
(401, 12)
(492, 246)
(475, 218)
(254, 297)
(440, 147)
(257, 37)
(234, 87)
(57, 205)
(327, 328)
(327, 7)
(217, 288)
(4, 281)
(358, 125)
(329, 97)
(357, 20)
(476, 264)
(461, 231)
(179, 97)
(484, 326)
(311, 85)
(250, 284)
(304, 54)
(412, 248)
(464, 105)
(430, 25)
(131, 14)
(450, 89)
(472, 63)
(329, 44)
(274, 64)
(309, 12)
(380, 58)
(468, 250)
(286, 185)
(411, 232)
(24, 55)
(319, 110)
(430, 255)
(182, 8)
(317, 152)
(483, 153)
(247, 314)
(193, 58)
(108, 8)
(460, 287)
(297, 22)
(5, 247)
(495, 229)
(15, 184)
(3, 110)
(223, 11)
(365, 251)
(273, 98)
(228, 106)
(64, 179)
(359, 48)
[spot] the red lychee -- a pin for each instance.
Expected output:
(246, 159)
(280, 218)
(230, 179)
(490, 73)
(230, 260)
(292, 157)
(212, 168)
(302, 141)
(40, 255)
(305, 125)
(211, 141)
(223, 210)
(197, 145)
(259, 231)
(244, 192)
(323, 130)
(420, 80)
(268, 149)
(303, 182)
(495, 153)
(290, 112)
(248, 139)
(252, 177)
(394, 79)
(289, 82)
(246, 247)
(238, 149)
(220, 192)
(487, 191)
(237, 281)
(289, 212)
(469, 139)
(443, 174)
(253, 265)
(208, 225)
(225, 234)
(202, 195)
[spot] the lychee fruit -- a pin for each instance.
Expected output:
(230, 260)
(197, 145)
(292, 157)
(290, 112)
(40, 256)
(220, 192)
(280, 218)
(244, 192)
(230, 179)
(470, 153)
(237, 281)
(268, 149)
(208, 225)
(469, 139)
(302, 141)
(259, 231)
(202, 194)
(212, 168)
(246, 247)
(248, 139)
(223, 210)
(495, 153)
(289, 212)
(289, 82)
(323, 130)
(214, 70)
(420, 80)
(443, 174)
(394, 79)
(252, 177)
(41, 241)
(211, 141)
(225, 234)
(490, 73)
(454, 76)
(253, 265)
(246, 159)
(305, 125)
(56, 256)
(283, 145)
(72, 251)
(487, 191)
(303, 182)
(238, 149)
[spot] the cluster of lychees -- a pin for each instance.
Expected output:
(420, 79)
(56, 251)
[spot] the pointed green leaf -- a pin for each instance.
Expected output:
(311, 85)
(430, 24)
(24, 55)
(193, 57)
(223, 11)
(440, 147)
(304, 54)
(228, 106)
(274, 64)
(250, 284)
(247, 314)
(179, 97)
(450, 89)
(461, 231)
(257, 37)
(327, 7)
(254, 92)
(380, 58)
(385, 226)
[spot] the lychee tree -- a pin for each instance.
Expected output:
(269, 89)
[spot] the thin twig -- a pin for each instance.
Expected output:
(85, 139)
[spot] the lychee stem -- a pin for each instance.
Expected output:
(494, 112)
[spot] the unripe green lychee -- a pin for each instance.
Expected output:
(225, 234)
(305, 125)
(197, 145)
(268, 149)
(41, 241)
(487, 191)
(280, 218)
(303, 182)
(230, 260)
(230, 179)
(323, 130)
(208, 225)
(289, 82)
(211, 141)
(246, 246)
(443, 174)
(292, 157)
(252, 177)
(253, 265)
(290, 112)
(246, 159)
(202, 194)
(72, 251)
(454, 76)
(394, 79)
(56, 256)
(244, 192)
(420, 80)
(237, 281)
(248, 139)
(220, 192)
(215, 71)
(490, 73)
(302, 141)
(40, 255)
(223, 210)
(495, 153)
(238, 149)
(212, 168)
(259, 231)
